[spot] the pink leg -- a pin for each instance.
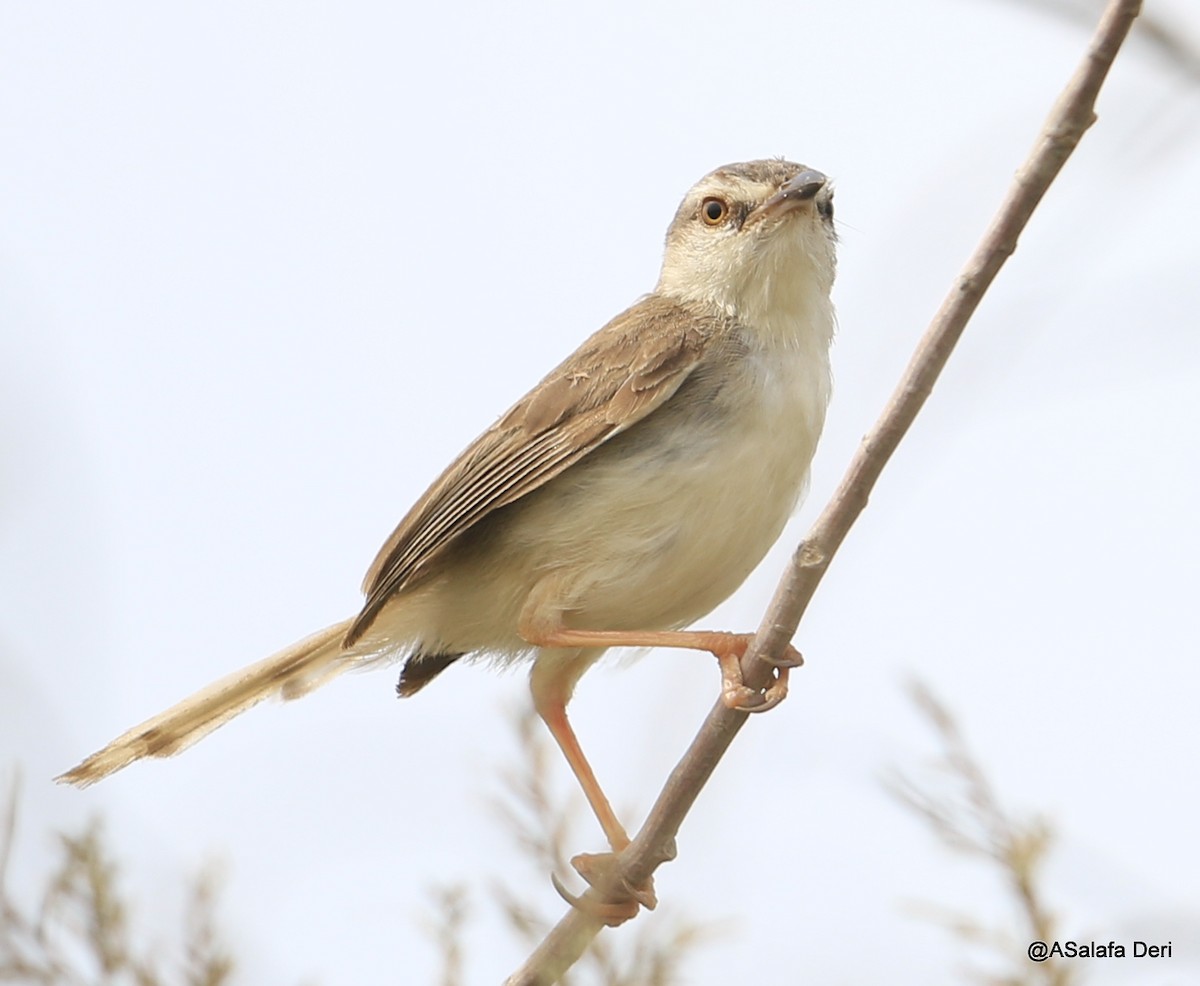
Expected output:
(550, 694)
(552, 708)
(728, 649)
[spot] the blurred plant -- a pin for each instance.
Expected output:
(968, 817)
(78, 934)
(446, 929)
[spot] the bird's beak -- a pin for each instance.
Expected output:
(802, 188)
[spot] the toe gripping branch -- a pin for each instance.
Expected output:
(616, 899)
(735, 693)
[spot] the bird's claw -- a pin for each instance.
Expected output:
(737, 695)
(620, 900)
(600, 869)
(790, 658)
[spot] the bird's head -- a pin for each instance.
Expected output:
(754, 239)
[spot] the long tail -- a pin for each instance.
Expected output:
(288, 674)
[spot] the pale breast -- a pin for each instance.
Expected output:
(658, 525)
(666, 520)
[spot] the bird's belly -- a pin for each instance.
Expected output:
(651, 530)
(682, 510)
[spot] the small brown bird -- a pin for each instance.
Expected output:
(621, 499)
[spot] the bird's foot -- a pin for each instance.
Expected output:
(735, 693)
(620, 900)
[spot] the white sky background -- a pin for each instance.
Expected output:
(265, 268)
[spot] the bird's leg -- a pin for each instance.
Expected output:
(552, 708)
(551, 691)
(728, 649)
(550, 694)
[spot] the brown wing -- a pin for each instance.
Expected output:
(617, 377)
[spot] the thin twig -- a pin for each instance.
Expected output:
(1070, 118)
(1163, 34)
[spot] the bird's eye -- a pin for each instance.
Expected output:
(713, 211)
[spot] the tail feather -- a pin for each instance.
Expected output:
(289, 674)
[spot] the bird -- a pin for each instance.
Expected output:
(625, 496)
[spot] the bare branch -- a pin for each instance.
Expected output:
(1072, 115)
(1164, 35)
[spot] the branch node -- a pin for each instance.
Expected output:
(809, 555)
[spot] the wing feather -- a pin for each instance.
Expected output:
(616, 378)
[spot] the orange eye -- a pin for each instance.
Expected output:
(713, 211)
